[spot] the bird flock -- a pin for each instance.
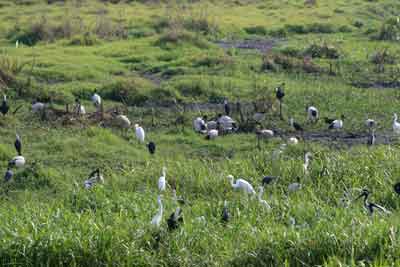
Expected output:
(211, 129)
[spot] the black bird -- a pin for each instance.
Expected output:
(151, 147)
(4, 108)
(396, 188)
(280, 94)
(267, 180)
(18, 144)
(295, 125)
(9, 174)
(369, 206)
(225, 216)
(226, 107)
(175, 219)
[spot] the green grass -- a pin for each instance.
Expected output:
(166, 52)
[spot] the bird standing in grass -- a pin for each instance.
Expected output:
(262, 201)
(264, 134)
(156, 221)
(280, 94)
(212, 134)
(151, 146)
(162, 183)
(18, 144)
(37, 107)
(312, 114)
(369, 206)
(4, 108)
(242, 184)
(18, 161)
(140, 135)
(79, 109)
(371, 138)
(93, 178)
(336, 124)
(396, 124)
(307, 158)
(175, 219)
(96, 100)
(295, 186)
(225, 216)
(293, 140)
(9, 174)
(370, 124)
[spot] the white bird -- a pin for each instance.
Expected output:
(17, 44)
(337, 124)
(162, 183)
(156, 221)
(312, 114)
(18, 161)
(226, 123)
(306, 163)
(122, 121)
(199, 125)
(295, 186)
(79, 108)
(139, 133)
(212, 134)
(262, 201)
(293, 141)
(370, 123)
(396, 124)
(96, 99)
(264, 134)
(37, 106)
(242, 184)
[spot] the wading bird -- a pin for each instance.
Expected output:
(264, 134)
(262, 201)
(156, 221)
(312, 114)
(139, 133)
(4, 108)
(242, 184)
(225, 216)
(369, 206)
(9, 174)
(151, 146)
(175, 219)
(96, 100)
(396, 124)
(295, 186)
(18, 144)
(37, 107)
(212, 134)
(370, 124)
(93, 178)
(268, 180)
(18, 161)
(199, 124)
(280, 94)
(337, 124)
(307, 158)
(162, 183)
(371, 138)
(293, 140)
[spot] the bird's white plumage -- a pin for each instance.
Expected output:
(82, 110)
(226, 122)
(162, 183)
(294, 187)
(306, 163)
(265, 133)
(396, 124)
(123, 121)
(212, 134)
(262, 201)
(293, 141)
(337, 124)
(370, 123)
(242, 184)
(38, 106)
(140, 134)
(156, 221)
(198, 124)
(19, 161)
(96, 99)
(312, 113)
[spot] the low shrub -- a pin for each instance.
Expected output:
(322, 51)
(86, 39)
(389, 31)
(258, 30)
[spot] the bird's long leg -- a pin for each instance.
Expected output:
(280, 109)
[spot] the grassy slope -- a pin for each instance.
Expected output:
(48, 218)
